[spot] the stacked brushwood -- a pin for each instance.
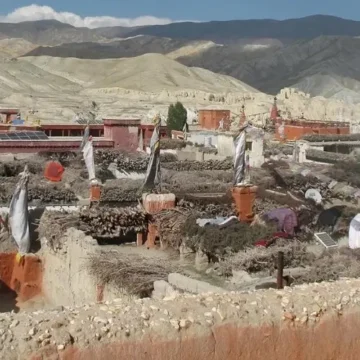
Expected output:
(272, 148)
(14, 168)
(168, 157)
(53, 226)
(218, 243)
(51, 195)
(191, 165)
(105, 222)
(207, 209)
(172, 144)
(132, 273)
(122, 160)
(65, 158)
(340, 172)
(170, 223)
(186, 182)
(340, 137)
(324, 156)
(299, 184)
(259, 259)
(333, 265)
(123, 190)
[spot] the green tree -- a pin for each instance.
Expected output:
(177, 116)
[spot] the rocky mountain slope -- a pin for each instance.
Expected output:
(47, 32)
(129, 47)
(225, 31)
(50, 32)
(327, 66)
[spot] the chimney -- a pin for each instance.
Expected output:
(274, 111)
(242, 116)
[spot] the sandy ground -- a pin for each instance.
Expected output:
(58, 89)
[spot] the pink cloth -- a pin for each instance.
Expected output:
(285, 218)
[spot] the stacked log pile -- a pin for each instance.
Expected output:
(104, 222)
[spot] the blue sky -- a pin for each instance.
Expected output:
(168, 10)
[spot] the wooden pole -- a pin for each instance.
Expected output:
(280, 270)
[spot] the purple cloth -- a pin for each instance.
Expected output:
(286, 219)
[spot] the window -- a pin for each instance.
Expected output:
(248, 145)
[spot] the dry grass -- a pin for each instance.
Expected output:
(333, 265)
(218, 242)
(257, 259)
(53, 226)
(172, 144)
(170, 223)
(132, 273)
(340, 172)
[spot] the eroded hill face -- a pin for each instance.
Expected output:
(59, 88)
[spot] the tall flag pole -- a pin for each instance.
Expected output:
(153, 175)
(240, 158)
(19, 215)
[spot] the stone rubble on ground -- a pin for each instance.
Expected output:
(27, 333)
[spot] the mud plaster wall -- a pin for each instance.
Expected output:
(334, 339)
(308, 322)
(24, 277)
(66, 280)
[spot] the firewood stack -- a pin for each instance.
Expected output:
(105, 222)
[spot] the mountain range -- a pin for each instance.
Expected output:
(318, 54)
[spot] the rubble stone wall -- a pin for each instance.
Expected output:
(317, 321)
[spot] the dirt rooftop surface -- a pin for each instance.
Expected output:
(63, 328)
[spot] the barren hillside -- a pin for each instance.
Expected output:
(150, 72)
(12, 48)
(59, 88)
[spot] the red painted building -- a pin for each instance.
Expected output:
(8, 115)
(290, 130)
(113, 133)
(210, 119)
(124, 133)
